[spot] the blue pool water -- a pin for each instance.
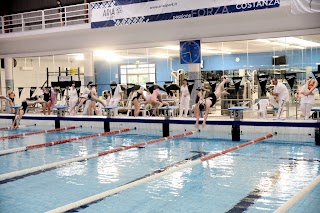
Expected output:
(256, 178)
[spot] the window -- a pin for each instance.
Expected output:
(138, 73)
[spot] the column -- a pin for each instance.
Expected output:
(8, 69)
(88, 68)
(8, 72)
(194, 72)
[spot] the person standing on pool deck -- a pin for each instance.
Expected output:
(279, 96)
(208, 102)
(22, 110)
(11, 95)
(307, 98)
(47, 101)
(184, 99)
(73, 98)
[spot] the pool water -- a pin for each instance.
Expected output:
(256, 178)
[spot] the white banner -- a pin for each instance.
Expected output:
(111, 11)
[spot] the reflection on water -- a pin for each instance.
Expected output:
(222, 166)
(72, 169)
(107, 168)
(172, 184)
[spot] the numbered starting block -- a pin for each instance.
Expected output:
(167, 111)
(16, 108)
(316, 113)
(110, 110)
(237, 112)
(61, 110)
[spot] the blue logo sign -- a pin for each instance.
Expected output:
(190, 52)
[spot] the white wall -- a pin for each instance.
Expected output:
(37, 76)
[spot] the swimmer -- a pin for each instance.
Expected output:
(206, 103)
(135, 100)
(22, 110)
(11, 95)
(4, 97)
(88, 96)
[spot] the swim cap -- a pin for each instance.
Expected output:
(148, 106)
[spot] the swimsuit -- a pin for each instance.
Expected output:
(137, 96)
(46, 97)
(24, 106)
(213, 99)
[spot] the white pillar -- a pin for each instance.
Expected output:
(88, 68)
(194, 71)
(8, 69)
(8, 73)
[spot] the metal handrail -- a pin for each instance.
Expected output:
(47, 18)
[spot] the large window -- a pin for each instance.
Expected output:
(138, 73)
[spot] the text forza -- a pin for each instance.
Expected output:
(225, 9)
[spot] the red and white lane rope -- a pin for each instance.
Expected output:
(53, 143)
(10, 128)
(86, 157)
(35, 133)
(102, 195)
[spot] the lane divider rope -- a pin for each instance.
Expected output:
(53, 143)
(10, 128)
(105, 194)
(19, 173)
(287, 205)
(35, 133)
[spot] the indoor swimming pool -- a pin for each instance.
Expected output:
(259, 177)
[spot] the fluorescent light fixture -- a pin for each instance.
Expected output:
(160, 55)
(215, 51)
(107, 55)
(297, 41)
(292, 42)
(77, 56)
(170, 47)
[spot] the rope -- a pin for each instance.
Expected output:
(53, 143)
(105, 194)
(35, 133)
(20, 173)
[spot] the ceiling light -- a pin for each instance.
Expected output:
(297, 41)
(215, 51)
(160, 55)
(170, 47)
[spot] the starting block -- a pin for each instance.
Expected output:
(316, 114)
(170, 109)
(237, 112)
(16, 108)
(109, 110)
(61, 110)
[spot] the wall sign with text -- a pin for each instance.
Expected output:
(128, 12)
(190, 52)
